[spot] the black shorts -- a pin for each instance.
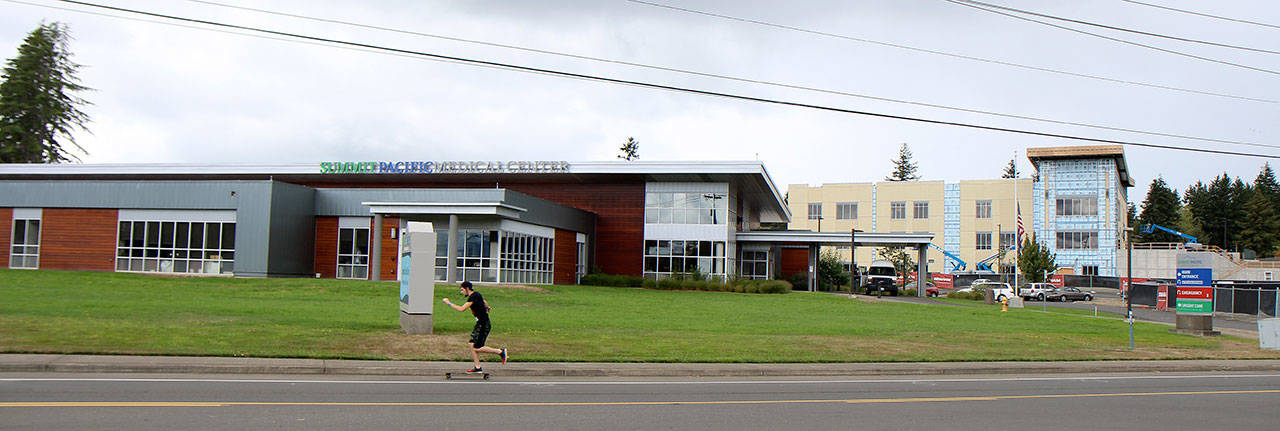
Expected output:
(479, 334)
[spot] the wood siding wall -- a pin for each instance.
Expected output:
(390, 247)
(565, 268)
(326, 259)
(78, 239)
(6, 237)
(619, 209)
(793, 261)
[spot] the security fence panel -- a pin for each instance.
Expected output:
(1267, 303)
(1245, 301)
(1145, 294)
(1222, 299)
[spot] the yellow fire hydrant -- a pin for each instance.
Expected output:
(1004, 305)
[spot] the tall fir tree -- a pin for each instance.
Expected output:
(1159, 208)
(39, 110)
(1010, 171)
(1261, 229)
(1218, 210)
(630, 150)
(904, 169)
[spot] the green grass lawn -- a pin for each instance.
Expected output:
(84, 312)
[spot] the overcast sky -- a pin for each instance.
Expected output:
(166, 93)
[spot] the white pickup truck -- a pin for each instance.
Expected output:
(1035, 291)
(999, 291)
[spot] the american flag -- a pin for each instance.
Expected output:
(1020, 231)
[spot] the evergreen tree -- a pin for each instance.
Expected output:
(1035, 260)
(38, 107)
(630, 150)
(1218, 209)
(1262, 233)
(1159, 208)
(903, 168)
(1010, 171)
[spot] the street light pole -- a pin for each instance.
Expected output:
(1128, 291)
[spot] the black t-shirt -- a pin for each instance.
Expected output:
(478, 308)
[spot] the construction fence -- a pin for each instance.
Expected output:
(1240, 298)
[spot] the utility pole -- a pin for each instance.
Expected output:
(1128, 291)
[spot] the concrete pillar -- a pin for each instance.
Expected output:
(813, 268)
(375, 249)
(451, 267)
(922, 269)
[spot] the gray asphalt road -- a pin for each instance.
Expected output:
(1075, 402)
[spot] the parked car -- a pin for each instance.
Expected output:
(1065, 294)
(929, 288)
(1035, 291)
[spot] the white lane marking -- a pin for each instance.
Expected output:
(623, 383)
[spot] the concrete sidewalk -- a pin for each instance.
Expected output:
(219, 365)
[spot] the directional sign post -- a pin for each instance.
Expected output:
(1194, 294)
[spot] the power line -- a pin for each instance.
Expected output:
(641, 84)
(1203, 14)
(1126, 30)
(947, 54)
(1183, 54)
(733, 78)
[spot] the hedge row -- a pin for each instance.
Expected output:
(739, 286)
(974, 295)
(611, 280)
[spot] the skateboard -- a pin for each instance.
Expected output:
(484, 375)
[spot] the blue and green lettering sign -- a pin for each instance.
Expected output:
(433, 167)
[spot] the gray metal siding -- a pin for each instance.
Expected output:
(347, 202)
(292, 224)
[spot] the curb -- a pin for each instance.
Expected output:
(36, 363)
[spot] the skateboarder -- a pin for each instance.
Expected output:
(480, 310)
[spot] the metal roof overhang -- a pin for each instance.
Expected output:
(873, 239)
(445, 208)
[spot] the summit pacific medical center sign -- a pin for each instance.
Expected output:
(1195, 284)
(434, 167)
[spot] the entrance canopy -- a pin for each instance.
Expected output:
(813, 240)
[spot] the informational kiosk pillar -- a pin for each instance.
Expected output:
(417, 278)
(1194, 294)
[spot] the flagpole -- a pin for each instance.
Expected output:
(1017, 235)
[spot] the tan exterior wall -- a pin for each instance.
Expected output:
(999, 192)
(1003, 218)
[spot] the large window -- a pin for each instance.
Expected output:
(846, 210)
(528, 258)
(492, 256)
(582, 261)
(1008, 240)
(176, 246)
(353, 253)
(685, 208)
(898, 210)
(662, 258)
(983, 241)
(24, 252)
(1077, 206)
(815, 210)
(983, 209)
(754, 265)
(1075, 240)
(920, 209)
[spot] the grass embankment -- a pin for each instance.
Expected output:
(79, 312)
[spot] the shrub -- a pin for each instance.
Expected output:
(907, 292)
(669, 284)
(614, 280)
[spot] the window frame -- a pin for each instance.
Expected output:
(846, 210)
(919, 207)
(982, 209)
(898, 210)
